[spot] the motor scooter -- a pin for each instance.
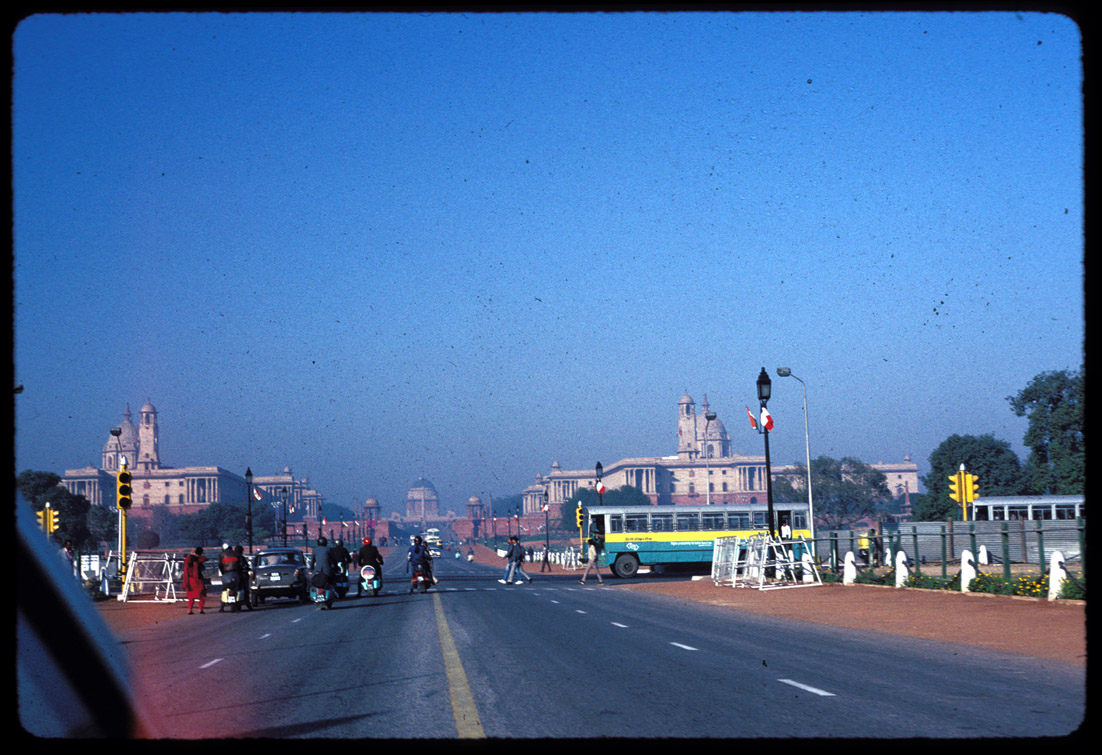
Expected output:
(420, 579)
(370, 579)
(341, 580)
(322, 596)
(233, 593)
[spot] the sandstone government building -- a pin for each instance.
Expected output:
(704, 467)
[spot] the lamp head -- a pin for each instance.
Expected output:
(783, 372)
(765, 386)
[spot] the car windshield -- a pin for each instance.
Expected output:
(274, 559)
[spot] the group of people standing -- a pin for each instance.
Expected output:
(232, 565)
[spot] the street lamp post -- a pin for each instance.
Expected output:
(283, 495)
(785, 372)
(708, 417)
(600, 487)
(546, 520)
(765, 389)
(249, 496)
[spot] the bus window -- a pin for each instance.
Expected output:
(799, 520)
(615, 523)
(738, 521)
(635, 523)
(661, 522)
(1042, 512)
(1063, 511)
(712, 521)
(1018, 512)
(759, 518)
(980, 513)
(688, 522)
(598, 525)
(998, 513)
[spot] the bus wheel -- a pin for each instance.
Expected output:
(626, 566)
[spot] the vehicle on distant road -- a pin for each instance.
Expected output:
(661, 535)
(279, 573)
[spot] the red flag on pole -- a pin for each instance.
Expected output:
(753, 422)
(766, 419)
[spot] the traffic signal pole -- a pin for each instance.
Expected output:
(125, 493)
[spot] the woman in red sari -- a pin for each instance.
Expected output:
(194, 584)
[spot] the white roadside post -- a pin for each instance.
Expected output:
(967, 570)
(849, 570)
(900, 568)
(1057, 573)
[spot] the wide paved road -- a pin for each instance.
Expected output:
(475, 658)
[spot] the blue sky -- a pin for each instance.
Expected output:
(378, 246)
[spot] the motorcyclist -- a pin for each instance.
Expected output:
(243, 576)
(340, 557)
(227, 567)
(323, 565)
(418, 555)
(369, 556)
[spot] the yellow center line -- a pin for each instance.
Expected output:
(467, 723)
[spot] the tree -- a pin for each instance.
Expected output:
(625, 495)
(40, 488)
(845, 491)
(991, 460)
(1057, 463)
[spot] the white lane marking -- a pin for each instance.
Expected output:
(265, 636)
(821, 692)
(683, 647)
(295, 621)
(208, 665)
(555, 602)
(578, 610)
(617, 624)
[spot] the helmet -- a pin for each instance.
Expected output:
(340, 542)
(225, 546)
(322, 541)
(367, 541)
(417, 540)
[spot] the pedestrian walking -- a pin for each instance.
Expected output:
(594, 552)
(545, 562)
(195, 585)
(515, 570)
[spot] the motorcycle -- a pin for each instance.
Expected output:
(341, 580)
(370, 579)
(420, 579)
(322, 596)
(233, 593)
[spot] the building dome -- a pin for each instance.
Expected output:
(148, 407)
(474, 501)
(371, 502)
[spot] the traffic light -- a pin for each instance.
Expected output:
(955, 491)
(578, 511)
(124, 489)
(971, 487)
(41, 517)
(51, 521)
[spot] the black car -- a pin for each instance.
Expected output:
(279, 573)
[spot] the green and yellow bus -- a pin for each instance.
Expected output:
(660, 535)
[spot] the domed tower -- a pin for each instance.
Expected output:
(686, 428)
(148, 455)
(125, 445)
(421, 501)
(371, 510)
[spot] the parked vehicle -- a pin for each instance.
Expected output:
(279, 573)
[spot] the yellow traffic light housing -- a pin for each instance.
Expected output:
(579, 514)
(125, 491)
(955, 488)
(971, 487)
(41, 517)
(51, 521)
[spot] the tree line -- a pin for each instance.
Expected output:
(845, 491)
